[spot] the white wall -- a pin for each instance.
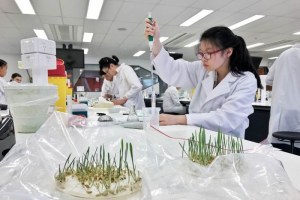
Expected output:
(12, 62)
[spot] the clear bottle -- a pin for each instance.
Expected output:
(132, 116)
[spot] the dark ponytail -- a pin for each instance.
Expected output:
(106, 61)
(240, 60)
(2, 63)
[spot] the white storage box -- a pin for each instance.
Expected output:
(37, 60)
(38, 45)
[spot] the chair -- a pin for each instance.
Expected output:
(288, 135)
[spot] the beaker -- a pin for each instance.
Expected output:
(132, 116)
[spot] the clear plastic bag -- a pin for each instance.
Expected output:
(27, 171)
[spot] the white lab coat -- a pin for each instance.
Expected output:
(284, 76)
(109, 87)
(3, 83)
(225, 107)
(129, 86)
(171, 101)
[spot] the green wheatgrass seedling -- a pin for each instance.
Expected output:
(204, 153)
(99, 170)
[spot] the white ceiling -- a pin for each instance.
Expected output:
(282, 18)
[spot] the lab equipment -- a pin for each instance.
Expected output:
(39, 56)
(30, 105)
(58, 77)
(80, 109)
(150, 41)
(132, 116)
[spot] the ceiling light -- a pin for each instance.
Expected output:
(25, 7)
(197, 17)
(246, 21)
(255, 45)
(139, 53)
(272, 58)
(172, 52)
(137, 68)
(192, 44)
(86, 50)
(40, 33)
(162, 39)
(94, 9)
(280, 47)
(297, 33)
(87, 37)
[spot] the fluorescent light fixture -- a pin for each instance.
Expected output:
(280, 47)
(272, 58)
(246, 21)
(86, 50)
(172, 52)
(162, 39)
(87, 37)
(25, 7)
(255, 45)
(297, 33)
(137, 68)
(192, 44)
(197, 17)
(139, 53)
(40, 33)
(94, 9)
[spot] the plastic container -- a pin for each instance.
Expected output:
(60, 82)
(60, 70)
(30, 105)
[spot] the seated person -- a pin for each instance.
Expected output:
(3, 82)
(224, 79)
(16, 77)
(171, 103)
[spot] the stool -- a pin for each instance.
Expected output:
(288, 135)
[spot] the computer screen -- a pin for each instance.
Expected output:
(73, 58)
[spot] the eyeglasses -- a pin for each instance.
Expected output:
(206, 55)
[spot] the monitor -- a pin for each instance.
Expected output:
(73, 58)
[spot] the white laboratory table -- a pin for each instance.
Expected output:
(290, 162)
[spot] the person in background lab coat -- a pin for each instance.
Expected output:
(284, 78)
(128, 84)
(16, 77)
(171, 101)
(109, 89)
(224, 78)
(3, 82)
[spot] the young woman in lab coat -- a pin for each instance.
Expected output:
(284, 79)
(224, 79)
(3, 82)
(109, 88)
(128, 84)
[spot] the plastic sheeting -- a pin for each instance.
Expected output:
(27, 171)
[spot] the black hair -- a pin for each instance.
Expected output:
(240, 60)
(2, 63)
(14, 75)
(106, 61)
